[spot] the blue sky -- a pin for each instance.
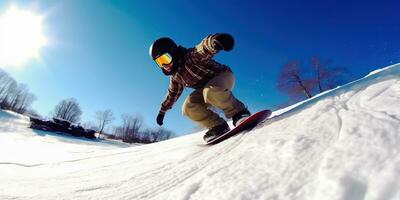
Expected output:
(98, 50)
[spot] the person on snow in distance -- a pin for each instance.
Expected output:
(212, 82)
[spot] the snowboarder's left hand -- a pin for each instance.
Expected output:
(224, 41)
(160, 118)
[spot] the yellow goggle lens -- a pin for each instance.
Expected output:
(164, 59)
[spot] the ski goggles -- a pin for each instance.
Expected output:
(164, 59)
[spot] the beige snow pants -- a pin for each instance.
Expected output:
(217, 93)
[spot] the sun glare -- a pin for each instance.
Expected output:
(21, 37)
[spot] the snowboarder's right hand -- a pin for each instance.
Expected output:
(160, 118)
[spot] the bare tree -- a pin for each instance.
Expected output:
(292, 81)
(7, 89)
(5, 80)
(326, 76)
(104, 118)
(25, 102)
(20, 99)
(161, 134)
(33, 113)
(129, 131)
(14, 96)
(155, 135)
(297, 83)
(68, 109)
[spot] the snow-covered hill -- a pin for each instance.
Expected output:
(342, 144)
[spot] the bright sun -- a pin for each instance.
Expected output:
(21, 37)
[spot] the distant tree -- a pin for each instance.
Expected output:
(14, 96)
(20, 99)
(129, 131)
(104, 118)
(33, 113)
(155, 135)
(161, 134)
(5, 80)
(26, 101)
(293, 82)
(299, 82)
(326, 76)
(68, 109)
(7, 89)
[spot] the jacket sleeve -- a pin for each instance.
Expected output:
(175, 90)
(207, 48)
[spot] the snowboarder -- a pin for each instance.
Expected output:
(212, 82)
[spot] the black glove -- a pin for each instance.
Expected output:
(160, 118)
(223, 41)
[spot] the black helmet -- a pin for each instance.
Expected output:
(162, 46)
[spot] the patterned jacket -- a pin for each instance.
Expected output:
(196, 70)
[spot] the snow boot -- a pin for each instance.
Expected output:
(240, 117)
(216, 131)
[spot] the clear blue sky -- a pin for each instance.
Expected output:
(98, 50)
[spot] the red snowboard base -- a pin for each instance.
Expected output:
(248, 123)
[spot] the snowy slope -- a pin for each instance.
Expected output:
(20, 145)
(342, 144)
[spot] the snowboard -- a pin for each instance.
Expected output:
(248, 123)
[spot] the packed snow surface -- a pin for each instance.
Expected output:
(342, 144)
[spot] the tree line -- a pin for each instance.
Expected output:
(130, 131)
